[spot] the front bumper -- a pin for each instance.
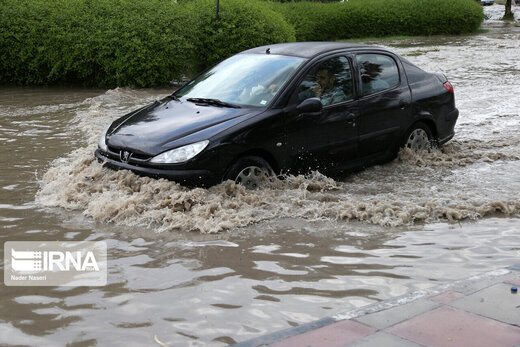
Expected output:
(191, 178)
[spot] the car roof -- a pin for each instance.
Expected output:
(306, 49)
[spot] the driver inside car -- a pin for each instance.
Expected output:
(324, 86)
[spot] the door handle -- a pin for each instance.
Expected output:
(351, 119)
(403, 104)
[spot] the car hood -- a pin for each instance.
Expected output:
(168, 123)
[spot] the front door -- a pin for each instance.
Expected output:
(327, 140)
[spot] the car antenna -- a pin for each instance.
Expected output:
(268, 51)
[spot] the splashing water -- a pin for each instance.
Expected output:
(473, 176)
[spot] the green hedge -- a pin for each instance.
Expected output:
(94, 42)
(242, 24)
(145, 43)
(374, 18)
(313, 21)
(126, 42)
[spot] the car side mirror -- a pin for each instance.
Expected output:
(310, 105)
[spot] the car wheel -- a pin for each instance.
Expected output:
(250, 172)
(418, 138)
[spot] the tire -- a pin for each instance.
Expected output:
(250, 171)
(418, 138)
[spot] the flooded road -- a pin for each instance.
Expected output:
(218, 266)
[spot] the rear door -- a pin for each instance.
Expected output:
(384, 103)
(325, 140)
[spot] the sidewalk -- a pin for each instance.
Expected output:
(479, 311)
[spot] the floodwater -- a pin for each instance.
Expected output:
(218, 266)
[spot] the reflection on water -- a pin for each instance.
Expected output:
(305, 248)
(236, 285)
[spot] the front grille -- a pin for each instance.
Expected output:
(140, 157)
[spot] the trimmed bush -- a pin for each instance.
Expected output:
(241, 25)
(104, 43)
(375, 18)
(312, 21)
(108, 43)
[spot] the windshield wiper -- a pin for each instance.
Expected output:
(215, 102)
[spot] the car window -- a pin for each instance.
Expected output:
(243, 79)
(378, 72)
(331, 81)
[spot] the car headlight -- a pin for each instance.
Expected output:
(102, 143)
(181, 154)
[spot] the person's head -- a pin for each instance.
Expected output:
(325, 79)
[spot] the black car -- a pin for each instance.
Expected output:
(285, 108)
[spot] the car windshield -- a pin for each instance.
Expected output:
(243, 79)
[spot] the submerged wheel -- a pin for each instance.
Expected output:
(418, 138)
(250, 172)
